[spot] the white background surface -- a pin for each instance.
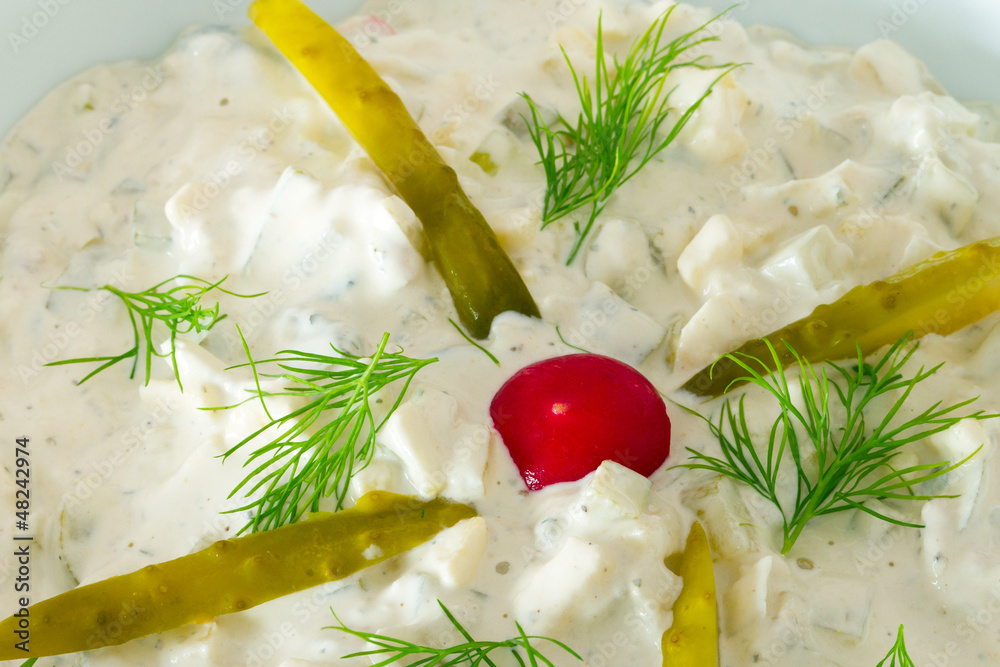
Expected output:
(956, 38)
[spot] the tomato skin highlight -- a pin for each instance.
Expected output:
(561, 417)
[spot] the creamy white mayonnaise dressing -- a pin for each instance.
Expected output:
(804, 174)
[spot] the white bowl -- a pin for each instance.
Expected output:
(46, 41)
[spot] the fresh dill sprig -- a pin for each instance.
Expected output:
(328, 439)
(178, 308)
(619, 128)
(844, 460)
(897, 655)
(472, 342)
(471, 652)
(569, 344)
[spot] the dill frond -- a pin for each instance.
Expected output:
(470, 652)
(842, 453)
(622, 124)
(178, 308)
(897, 656)
(327, 440)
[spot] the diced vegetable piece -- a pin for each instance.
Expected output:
(572, 588)
(485, 162)
(942, 294)
(693, 639)
(480, 276)
(230, 576)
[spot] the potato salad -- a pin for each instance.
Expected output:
(244, 289)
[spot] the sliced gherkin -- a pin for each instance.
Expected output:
(480, 276)
(942, 294)
(693, 638)
(229, 576)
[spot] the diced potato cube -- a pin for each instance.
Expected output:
(574, 586)
(615, 492)
(655, 592)
(408, 435)
(954, 445)
(383, 473)
(841, 605)
(813, 259)
(494, 151)
(717, 246)
(453, 556)
(607, 324)
(926, 123)
(961, 440)
(715, 329)
(946, 193)
(754, 598)
(618, 250)
(880, 243)
(886, 65)
(713, 133)
(730, 531)
(442, 454)
(918, 249)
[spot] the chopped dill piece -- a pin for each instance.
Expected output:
(569, 344)
(472, 342)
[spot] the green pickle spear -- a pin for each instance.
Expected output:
(942, 294)
(480, 276)
(229, 576)
(693, 638)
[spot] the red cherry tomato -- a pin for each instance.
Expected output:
(560, 418)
